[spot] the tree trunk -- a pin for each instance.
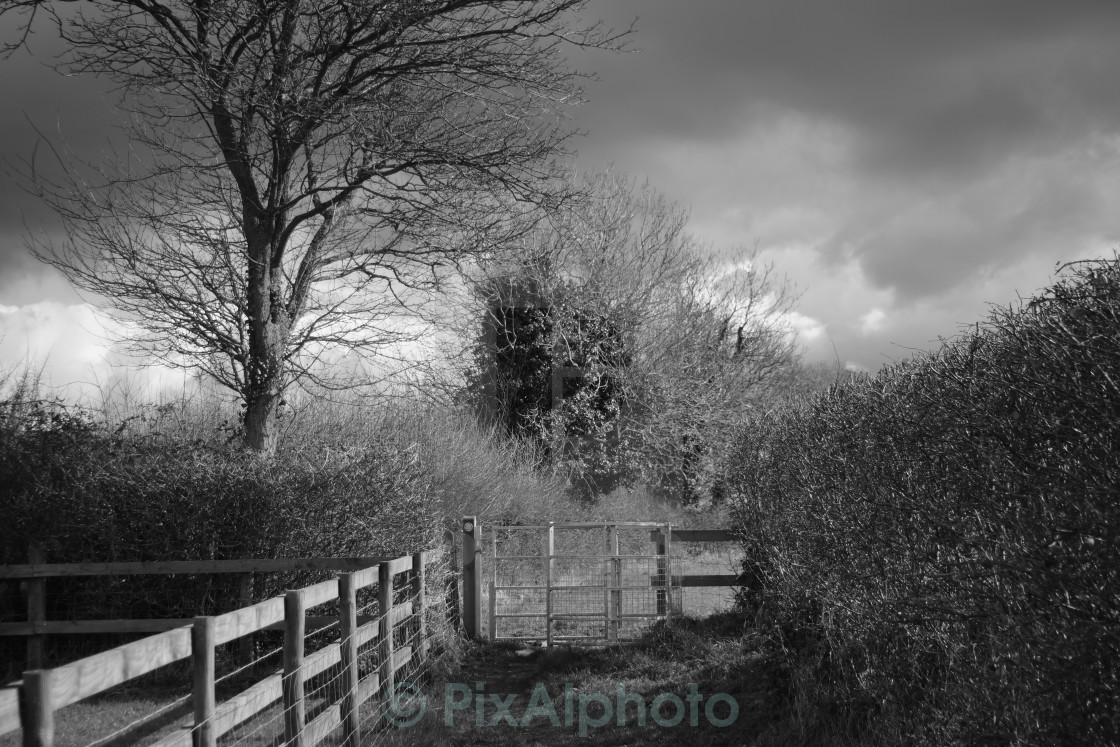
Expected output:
(269, 327)
(261, 429)
(267, 344)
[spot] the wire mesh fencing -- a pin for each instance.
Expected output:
(602, 582)
(324, 663)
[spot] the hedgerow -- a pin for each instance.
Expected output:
(130, 481)
(938, 546)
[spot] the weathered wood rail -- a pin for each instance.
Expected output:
(45, 691)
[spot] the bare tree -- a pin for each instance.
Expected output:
(295, 165)
(703, 334)
(714, 358)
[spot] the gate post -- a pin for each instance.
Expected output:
(549, 551)
(663, 580)
(614, 582)
(492, 614)
(472, 577)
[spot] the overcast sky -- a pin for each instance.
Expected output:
(904, 163)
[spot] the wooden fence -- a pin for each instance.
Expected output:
(44, 691)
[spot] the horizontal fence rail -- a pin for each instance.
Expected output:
(172, 567)
(9, 708)
(45, 691)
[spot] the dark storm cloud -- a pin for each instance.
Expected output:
(942, 106)
(918, 158)
(915, 71)
(941, 245)
(40, 107)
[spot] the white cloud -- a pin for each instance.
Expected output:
(71, 344)
(872, 321)
(807, 328)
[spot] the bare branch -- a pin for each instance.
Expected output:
(298, 169)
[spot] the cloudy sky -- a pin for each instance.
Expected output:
(904, 163)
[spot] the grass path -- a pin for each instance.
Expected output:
(697, 658)
(715, 658)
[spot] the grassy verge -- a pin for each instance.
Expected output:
(713, 660)
(506, 693)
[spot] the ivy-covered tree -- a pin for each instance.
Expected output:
(663, 345)
(552, 372)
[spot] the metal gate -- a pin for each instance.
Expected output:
(578, 582)
(592, 582)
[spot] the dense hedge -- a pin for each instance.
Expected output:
(84, 494)
(939, 545)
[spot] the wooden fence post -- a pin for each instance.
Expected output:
(37, 709)
(245, 645)
(385, 630)
(348, 653)
(419, 603)
(202, 658)
(294, 707)
(472, 577)
(454, 614)
(36, 609)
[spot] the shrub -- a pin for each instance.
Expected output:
(126, 481)
(83, 492)
(940, 543)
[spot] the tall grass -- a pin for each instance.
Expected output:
(471, 469)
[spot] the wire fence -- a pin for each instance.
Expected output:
(330, 677)
(132, 606)
(564, 583)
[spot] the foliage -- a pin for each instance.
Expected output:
(656, 343)
(161, 482)
(298, 169)
(939, 545)
(548, 371)
(82, 494)
(115, 497)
